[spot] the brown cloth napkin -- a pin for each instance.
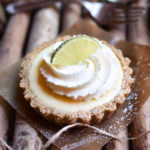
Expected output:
(85, 137)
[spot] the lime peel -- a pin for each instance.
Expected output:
(74, 50)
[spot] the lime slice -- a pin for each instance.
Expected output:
(74, 50)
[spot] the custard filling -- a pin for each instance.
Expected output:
(83, 86)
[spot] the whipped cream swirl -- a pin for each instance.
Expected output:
(84, 81)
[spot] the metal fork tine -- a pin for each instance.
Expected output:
(135, 8)
(130, 7)
(133, 15)
(131, 11)
(126, 18)
(127, 11)
(120, 22)
(124, 14)
(120, 10)
(135, 12)
(117, 14)
(129, 18)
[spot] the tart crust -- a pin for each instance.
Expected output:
(93, 116)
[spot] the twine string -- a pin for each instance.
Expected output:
(5, 144)
(137, 137)
(103, 132)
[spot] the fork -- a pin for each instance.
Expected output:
(113, 13)
(104, 12)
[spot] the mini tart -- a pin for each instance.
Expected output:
(91, 116)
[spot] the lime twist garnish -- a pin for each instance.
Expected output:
(74, 50)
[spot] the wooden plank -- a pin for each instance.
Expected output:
(12, 42)
(118, 145)
(71, 14)
(10, 52)
(141, 123)
(45, 28)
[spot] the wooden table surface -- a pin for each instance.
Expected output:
(22, 33)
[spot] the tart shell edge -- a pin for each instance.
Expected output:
(93, 116)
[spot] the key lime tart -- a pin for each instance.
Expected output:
(76, 79)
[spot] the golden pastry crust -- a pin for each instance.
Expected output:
(96, 114)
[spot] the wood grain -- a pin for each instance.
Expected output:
(140, 124)
(25, 136)
(71, 14)
(118, 145)
(12, 42)
(45, 28)
(142, 121)
(10, 52)
(4, 117)
(138, 31)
